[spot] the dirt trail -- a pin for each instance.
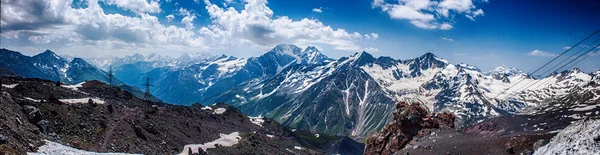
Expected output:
(116, 117)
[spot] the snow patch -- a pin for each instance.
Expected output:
(74, 87)
(30, 99)
(52, 148)
(81, 100)
(577, 138)
(219, 111)
(10, 85)
(225, 140)
(206, 108)
(259, 120)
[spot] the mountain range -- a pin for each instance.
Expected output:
(305, 89)
(48, 65)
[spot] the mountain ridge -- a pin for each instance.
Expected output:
(357, 91)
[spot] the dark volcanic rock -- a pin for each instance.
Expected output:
(409, 121)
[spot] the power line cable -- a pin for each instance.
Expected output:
(586, 53)
(574, 54)
(548, 62)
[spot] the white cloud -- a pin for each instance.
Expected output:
(445, 26)
(188, 19)
(61, 27)
(374, 35)
(429, 14)
(197, 1)
(447, 39)
(256, 25)
(474, 14)
(142, 6)
(371, 49)
(566, 47)
(371, 36)
(90, 29)
(170, 18)
(541, 53)
(317, 10)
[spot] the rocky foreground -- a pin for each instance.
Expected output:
(569, 123)
(96, 117)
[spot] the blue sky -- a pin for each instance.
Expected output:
(486, 33)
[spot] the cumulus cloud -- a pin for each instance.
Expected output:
(429, 14)
(58, 25)
(142, 6)
(371, 36)
(256, 25)
(81, 28)
(445, 26)
(188, 18)
(317, 10)
(374, 35)
(31, 15)
(170, 18)
(541, 53)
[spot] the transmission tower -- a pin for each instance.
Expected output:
(147, 95)
(110, 76)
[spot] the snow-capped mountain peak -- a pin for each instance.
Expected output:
(48, 55)
(287, 49)
(362, 58)
(468, 67)
(505, 70)
(312, 55)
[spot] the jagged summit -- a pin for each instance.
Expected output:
(48, 54)
(467, 66)
(286, 48)
(363, 58)
(312, 55)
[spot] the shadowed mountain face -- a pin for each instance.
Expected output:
(48, 65)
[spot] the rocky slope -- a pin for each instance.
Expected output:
(410, 121)
(96, 117)
(510, 134)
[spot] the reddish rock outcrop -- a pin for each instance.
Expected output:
(408, 121)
